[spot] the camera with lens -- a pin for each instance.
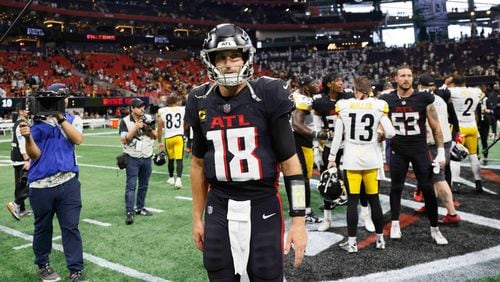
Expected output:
(148, 123)
(49, 102)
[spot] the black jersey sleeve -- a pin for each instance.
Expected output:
(192, 116)
(282, 138)
(277, 98)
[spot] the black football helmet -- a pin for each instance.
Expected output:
(160, 158)
(458, 152)
(228, 37)
(330, 186)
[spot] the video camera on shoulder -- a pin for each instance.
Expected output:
(49, 102)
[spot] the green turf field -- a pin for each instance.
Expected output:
(160, 246)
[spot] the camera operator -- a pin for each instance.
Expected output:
(21, 163)
(54, 188)
(137, 136)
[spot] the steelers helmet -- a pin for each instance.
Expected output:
(228, 37)
(330, 186)
(160, 158)
(458, 152)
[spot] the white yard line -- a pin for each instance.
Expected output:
(100, 145)
(94, 259)
(31, 244)
(434, 267)
(96, 222)
(154, 210)
(184, 198)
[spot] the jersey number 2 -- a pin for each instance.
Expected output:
(241, 143)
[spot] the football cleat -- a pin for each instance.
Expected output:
(178, 183)
(380, 244)
(438, 237)
(349, 248)
(448, 219)
(325, 225)
(311, 218)
(171, 181)
(417, 196)
(395, 231)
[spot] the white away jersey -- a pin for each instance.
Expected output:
(361, 119)
(465, 101)
(173, 120)
(442, 112)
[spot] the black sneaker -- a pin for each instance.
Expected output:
(130, 218)
(47, 274)
(311, 218)
(76, 276)
(143, 212)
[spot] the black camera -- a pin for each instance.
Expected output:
(50, 102)
(148, 122)
(46, 103)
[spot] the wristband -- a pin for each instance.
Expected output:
(331, 158)
(60, 121)
(296, 193)
(440, 154)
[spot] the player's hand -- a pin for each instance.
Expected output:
(24, 129)
(161, 147)
(331, 164)
(297, 235)
(26, 165)
(198, 234)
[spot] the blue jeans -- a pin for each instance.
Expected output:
(138, 169)
(65, 201)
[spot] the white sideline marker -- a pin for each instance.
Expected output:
(96, 260)
(31, 244)
(184, 198)
(96, 222)
(154, 210)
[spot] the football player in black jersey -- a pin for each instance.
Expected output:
(242, 139)
(304, 133)
(409, 111)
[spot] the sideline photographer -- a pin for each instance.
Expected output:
(137, 131)
(21, 163)
(54, 187)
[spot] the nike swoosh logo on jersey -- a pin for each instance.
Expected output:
(285, 86)
(264, 216)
